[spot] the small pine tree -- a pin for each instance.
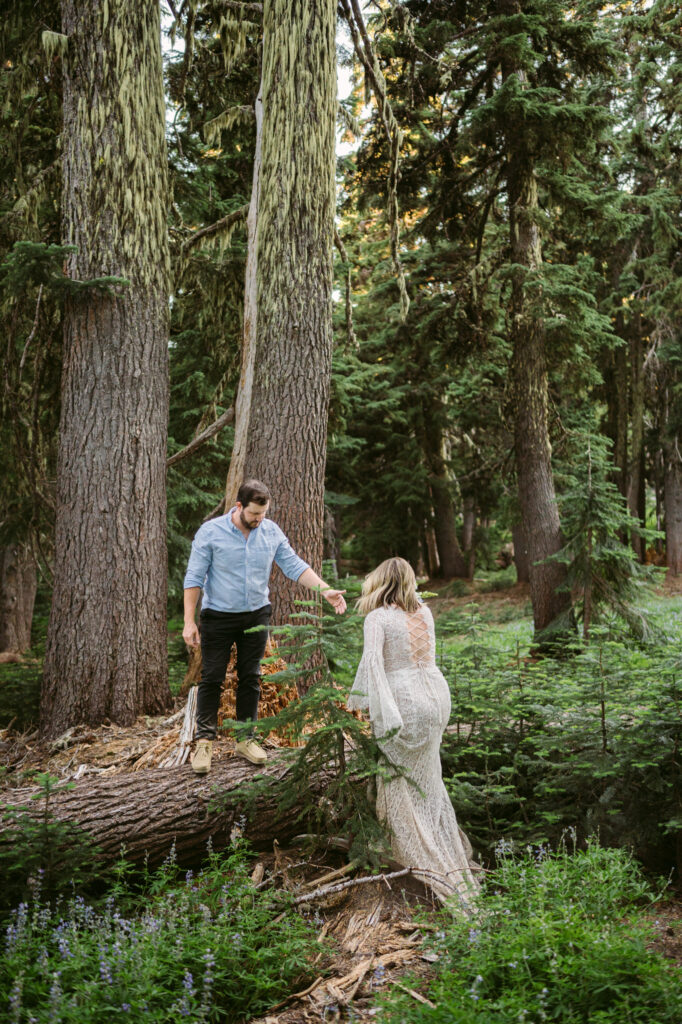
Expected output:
(602, 570)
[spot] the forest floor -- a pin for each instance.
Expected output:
(376, 930)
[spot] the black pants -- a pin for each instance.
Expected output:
(219, 630)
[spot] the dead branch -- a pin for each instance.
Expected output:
(205, 435)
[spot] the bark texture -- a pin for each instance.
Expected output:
(529, 388)
(148, 811)
(106, 645)
(673, 506)
(18, 584)
(520, 553)
(636, 478)
(288, 417)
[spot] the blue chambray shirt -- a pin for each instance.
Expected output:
(234, 570)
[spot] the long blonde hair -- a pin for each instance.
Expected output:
(392, 582)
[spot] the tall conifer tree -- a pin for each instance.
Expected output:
(106, 645)
(288, 415)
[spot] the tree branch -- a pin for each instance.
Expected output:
(213, 229)
(204, 436)
(243, 8)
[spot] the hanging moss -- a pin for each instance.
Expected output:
(55, 44)
(225, 121)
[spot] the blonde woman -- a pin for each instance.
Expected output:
(409, 706)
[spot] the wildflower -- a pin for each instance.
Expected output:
(15, 999)
(188, 983)
(478, 980)
(125, 1007)
(209, 962)
(379, 975)
(55, 998)
(504, 846)
(474, 934)
(12, 935)
(237, 939)
(105, 972)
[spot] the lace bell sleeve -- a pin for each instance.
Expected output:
(371, 690)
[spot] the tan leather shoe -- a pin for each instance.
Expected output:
(201, 758)
(251, 751)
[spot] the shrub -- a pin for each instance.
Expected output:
(208, 947)
(550, 944)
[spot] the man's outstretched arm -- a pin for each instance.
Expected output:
(312, 581)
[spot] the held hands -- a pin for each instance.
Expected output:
(190, 634)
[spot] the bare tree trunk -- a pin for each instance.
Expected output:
(452, 561)
(636, 482)
(106, 645)
(673, 507)
(529, 382)
(432, 550)
(235, 474)
(288, 421)
(468, 530)
(520, 553)
(18, 585)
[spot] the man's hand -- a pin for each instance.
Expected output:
(190, 634)
(336, 600)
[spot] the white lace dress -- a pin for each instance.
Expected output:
(406, 695)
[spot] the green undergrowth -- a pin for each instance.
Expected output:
(558, 937)
(170, 946)
(591, 740)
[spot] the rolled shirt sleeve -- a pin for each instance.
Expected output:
(200, 559)
(289, 562)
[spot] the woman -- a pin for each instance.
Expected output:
(409, 706)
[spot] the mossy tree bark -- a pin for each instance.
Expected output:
(529, 388)
(106, 644)
(288, 416)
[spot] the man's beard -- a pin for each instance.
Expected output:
(244, 522)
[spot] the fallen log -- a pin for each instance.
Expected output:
(149, 811)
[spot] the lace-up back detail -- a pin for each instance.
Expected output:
(421, 645)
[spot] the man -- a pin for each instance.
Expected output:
(231, 559)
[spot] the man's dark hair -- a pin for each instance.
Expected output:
(253, 491)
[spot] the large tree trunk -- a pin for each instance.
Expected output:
(529, 383)
(106, 644)
(288, 419)
(148, 811)
(452, 562)
(617, 391)
(673, 507)
(468, 533)
(636, 480)
(18, 584)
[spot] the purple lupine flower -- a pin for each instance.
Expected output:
(15, 999)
